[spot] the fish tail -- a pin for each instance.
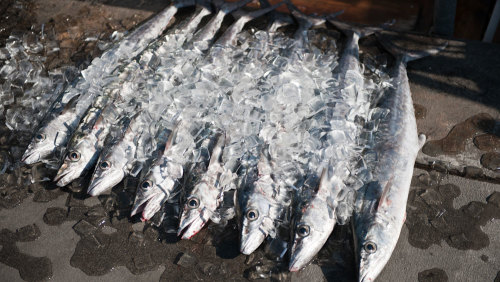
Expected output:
(304, 20)
(228, 7)
(183, 3)
(348, 29)
(258, 13)
(408, 55)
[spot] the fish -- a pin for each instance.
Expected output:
(159, 183)
(87, 143)
(118, 160)
(379, 212)
(65, 114)
(317, 217)
(349, 70)
(207, 33)
(88, 140)
(202, 202)
(315, 221)
(263, 203)
(229, 36)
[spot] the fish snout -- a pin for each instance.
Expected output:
(190, 227)
(30, 157)
(251, 241)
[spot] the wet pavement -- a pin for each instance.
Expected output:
(453, 212)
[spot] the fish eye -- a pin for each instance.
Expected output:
(40, 137)
(370, 247)
(193, 203)
(303, 230)
(105, 165)
(252, 214)
(74, 156)
(147, 184)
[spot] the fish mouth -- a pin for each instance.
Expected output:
(31, 157)
(147, 207)
(251, 241)
(191, 226)
(300, 257)
(65, 176)
(98, 186)
(297, 263)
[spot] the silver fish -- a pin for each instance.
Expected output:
(380, 206)
(263, 204)
(87, 142)
(159, 183)
(317, 218)
(202, 202)
(60, 123)
(117, 162)
(315, 222)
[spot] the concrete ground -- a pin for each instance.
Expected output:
(453, 213)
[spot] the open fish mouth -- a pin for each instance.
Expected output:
(188, 229)
(147, 206)
(251, 241)
(65, 175)
(31, 157)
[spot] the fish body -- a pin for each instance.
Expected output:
(159, 183)
(316, 221)
(380, 207)
(87, 142)
(263, 204)
(203, 201)
(60, 123)
(117, 161)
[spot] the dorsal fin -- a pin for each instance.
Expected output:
(71, 104)
(384, 201)
(322, 180)
(217, 150)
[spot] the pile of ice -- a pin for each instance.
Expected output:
(27, 88)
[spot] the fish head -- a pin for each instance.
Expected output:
(77, 160)
(43, 145)
(108, 173)
(152, 192)
(311, 230)
(256, 222)
(374, 249)
(199, 207)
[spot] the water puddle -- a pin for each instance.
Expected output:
(431, 217)
(30, 268)
(454, 143)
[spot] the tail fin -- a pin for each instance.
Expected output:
(348, 29)
(246, 17)
(183, 3)
(408, 55)
(305, 21)
(229, 7)
(277, 19)
(218, 149)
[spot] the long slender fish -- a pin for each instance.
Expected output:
(263, 202)
(317, 218)
(117, 161)
(380, 207)
(159, 183)
(205, 197)
(61, 122)
(88, 141)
